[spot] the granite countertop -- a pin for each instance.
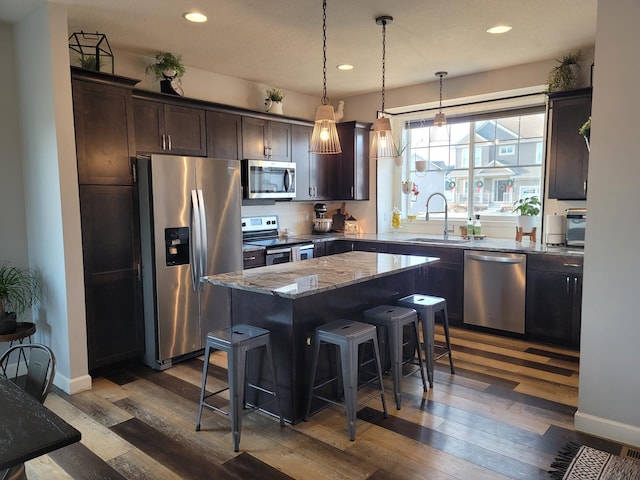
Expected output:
(298, 279)
(488, 243)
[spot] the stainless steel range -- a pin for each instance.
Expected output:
(263, 231)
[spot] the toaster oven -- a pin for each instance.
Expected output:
(576, 227)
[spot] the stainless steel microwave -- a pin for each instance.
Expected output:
(269, 179)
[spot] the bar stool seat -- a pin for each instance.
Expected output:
(427, 306)
(347, 336)
(237, 341)
(392, 319)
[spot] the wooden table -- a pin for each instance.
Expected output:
(292, 299)
(28, 429)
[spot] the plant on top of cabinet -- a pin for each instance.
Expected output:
(168, 68)
(564, 76)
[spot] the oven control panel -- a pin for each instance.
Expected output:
(259, 224)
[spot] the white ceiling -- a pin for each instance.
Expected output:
(279, 42)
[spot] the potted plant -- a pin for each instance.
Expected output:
(88, 62)
(168, 68)
(564, 76)
(400, 148)
(585, 131)
(527, 208)
(273, 102)
(19, 290)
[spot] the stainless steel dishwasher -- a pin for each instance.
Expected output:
(494, 290)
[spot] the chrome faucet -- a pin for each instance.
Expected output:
(446, 214)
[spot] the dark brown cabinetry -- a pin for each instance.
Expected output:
(567, 150)
(224, 135)
(352, 178)
(443, 279)
(554, 299)
(254, 258)
(339, 246)
(314, 173)
(265, 139)
(167, 128)
(103, 116)
(377, 247)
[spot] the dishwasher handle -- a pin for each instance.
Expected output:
(495, 259)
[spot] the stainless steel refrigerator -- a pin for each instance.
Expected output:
(190, 227)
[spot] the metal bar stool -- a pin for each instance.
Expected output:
(427, 306)
(237, 341)
(393, 319)
(347, 335)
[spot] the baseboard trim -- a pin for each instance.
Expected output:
(605, 428)
(75, 385)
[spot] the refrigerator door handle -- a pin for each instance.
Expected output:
(204, 250)
(195, 241)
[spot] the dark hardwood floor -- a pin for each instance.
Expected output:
(503, 415)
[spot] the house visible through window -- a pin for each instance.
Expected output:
(481, 163)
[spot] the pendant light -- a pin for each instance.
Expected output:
(324, 139)
(382, 144)
(440, 120)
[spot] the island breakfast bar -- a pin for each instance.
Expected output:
(292, 299)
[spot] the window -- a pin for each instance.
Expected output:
(481, 164)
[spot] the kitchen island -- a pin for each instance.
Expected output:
(292, 299)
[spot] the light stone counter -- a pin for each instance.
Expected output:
(297, 279)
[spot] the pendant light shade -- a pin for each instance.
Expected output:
(440, 120)
(324, 139)
(383, 144)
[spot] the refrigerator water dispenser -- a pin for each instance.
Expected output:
(176, 241)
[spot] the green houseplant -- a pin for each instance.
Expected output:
(400, 148)
(527, 208)
(564, 76)
(275, 94)
(88, 62)
(167, 66)
(19, 290)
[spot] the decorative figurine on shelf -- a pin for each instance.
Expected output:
(168, 68)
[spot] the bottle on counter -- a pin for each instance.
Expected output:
(470, 229)
(477, 228)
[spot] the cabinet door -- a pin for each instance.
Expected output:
(300, 140)
(378, 247)
(254, 134)
(113, 291)
(279, 141)
(185, 128)
(224, 132)
(549, 306)
(353, 172)
(568, 154)
(338, 246)
(103, 116)
(149, 126)
(166, 128)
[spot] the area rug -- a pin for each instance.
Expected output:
(579, 462)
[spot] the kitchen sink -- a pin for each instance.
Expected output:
(438, 240)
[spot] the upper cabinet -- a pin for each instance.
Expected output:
(167, 128)
(314, 173)
(352, 173)
(266, 139)
(224, 135)
(103, 116)
(567, 150)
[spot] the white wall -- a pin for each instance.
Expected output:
(51, 188)
(609, 395)
(13, 247)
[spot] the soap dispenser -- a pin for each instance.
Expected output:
(477, 228)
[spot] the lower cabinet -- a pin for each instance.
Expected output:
(113, 288)
(554, 299)
(332, 247)
(254, 258)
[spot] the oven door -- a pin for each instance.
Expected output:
(267, 179)
(278, 255)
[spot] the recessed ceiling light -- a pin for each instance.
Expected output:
(499, 29)
(195, 17)
(345, 66)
